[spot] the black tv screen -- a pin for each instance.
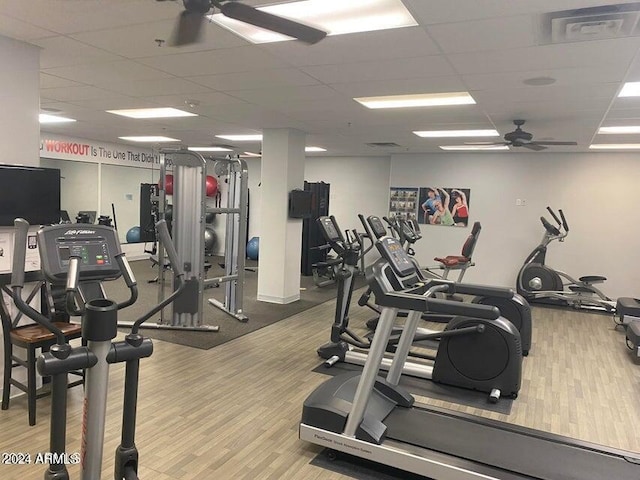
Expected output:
(300, 204)
(31, 193)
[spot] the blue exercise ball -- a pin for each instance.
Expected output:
(133, 235)
(253, 246)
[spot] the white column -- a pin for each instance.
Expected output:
(19, 127)
(20, 101)
(280, 236)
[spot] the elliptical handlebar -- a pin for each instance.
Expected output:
(553, 214)
(564, 220)
(19, 252)
(17, 281)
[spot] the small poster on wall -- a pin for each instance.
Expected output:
(403, 202)
(444, 206)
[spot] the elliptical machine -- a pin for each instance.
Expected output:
(512, 306)
(538, 282)
(71, 253)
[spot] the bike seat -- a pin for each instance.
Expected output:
(452, 260)
(592, 279)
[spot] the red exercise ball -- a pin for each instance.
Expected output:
(212, 186)
(168, 184)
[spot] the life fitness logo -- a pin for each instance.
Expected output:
(79, 232)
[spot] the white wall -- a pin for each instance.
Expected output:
(78, 185)
(596, 191)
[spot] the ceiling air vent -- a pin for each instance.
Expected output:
(594, 23)
(383, 144)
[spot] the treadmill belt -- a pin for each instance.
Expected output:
(427, 388)
(530, 452)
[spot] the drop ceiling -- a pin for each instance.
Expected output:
(103, 54)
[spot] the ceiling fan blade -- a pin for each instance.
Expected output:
(533, 146)
(188, 30)
(554, 143)
(258, 18)
(487, 143)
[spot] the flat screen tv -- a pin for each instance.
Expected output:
(300, 204)
(31, 193)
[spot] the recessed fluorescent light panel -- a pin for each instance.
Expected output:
(210, 149)
(337, 17)
(417, 100)
(473, 147)
(45, 118)
(314, 149)
(241, 138)
(615, 146)
(457, 133)
(630, 89)
(149, 138)
(167, 112)
(617, 130)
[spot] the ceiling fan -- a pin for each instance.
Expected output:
(520, 138)
(195, 12)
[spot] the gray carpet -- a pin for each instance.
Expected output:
(260, 314)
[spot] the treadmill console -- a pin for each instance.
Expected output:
(95, 245)
(391, 250)
(377, 226)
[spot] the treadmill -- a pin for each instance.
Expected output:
(373, 418)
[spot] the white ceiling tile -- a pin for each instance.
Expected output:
(62, 51)
(506, 33)
(401, 86)
(51, 81)
(69, 16)
(108, 73)
(135, 41)
(286, 95)
(202, 99)
(13, 28)
(159, 86)
(390, 69)
(429, 13)
(212, 62)
(257, 79)
(612, 54)
(593, 74)
(357, 47)
(551, 93)
(85, 92)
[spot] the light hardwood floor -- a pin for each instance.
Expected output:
(232, 412)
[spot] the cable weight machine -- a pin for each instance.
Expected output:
(188, 224)
(236, 211)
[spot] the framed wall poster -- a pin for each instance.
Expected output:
(444, 206)
(403, 202)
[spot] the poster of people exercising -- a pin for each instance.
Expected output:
(431, 205)
(444, 206)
